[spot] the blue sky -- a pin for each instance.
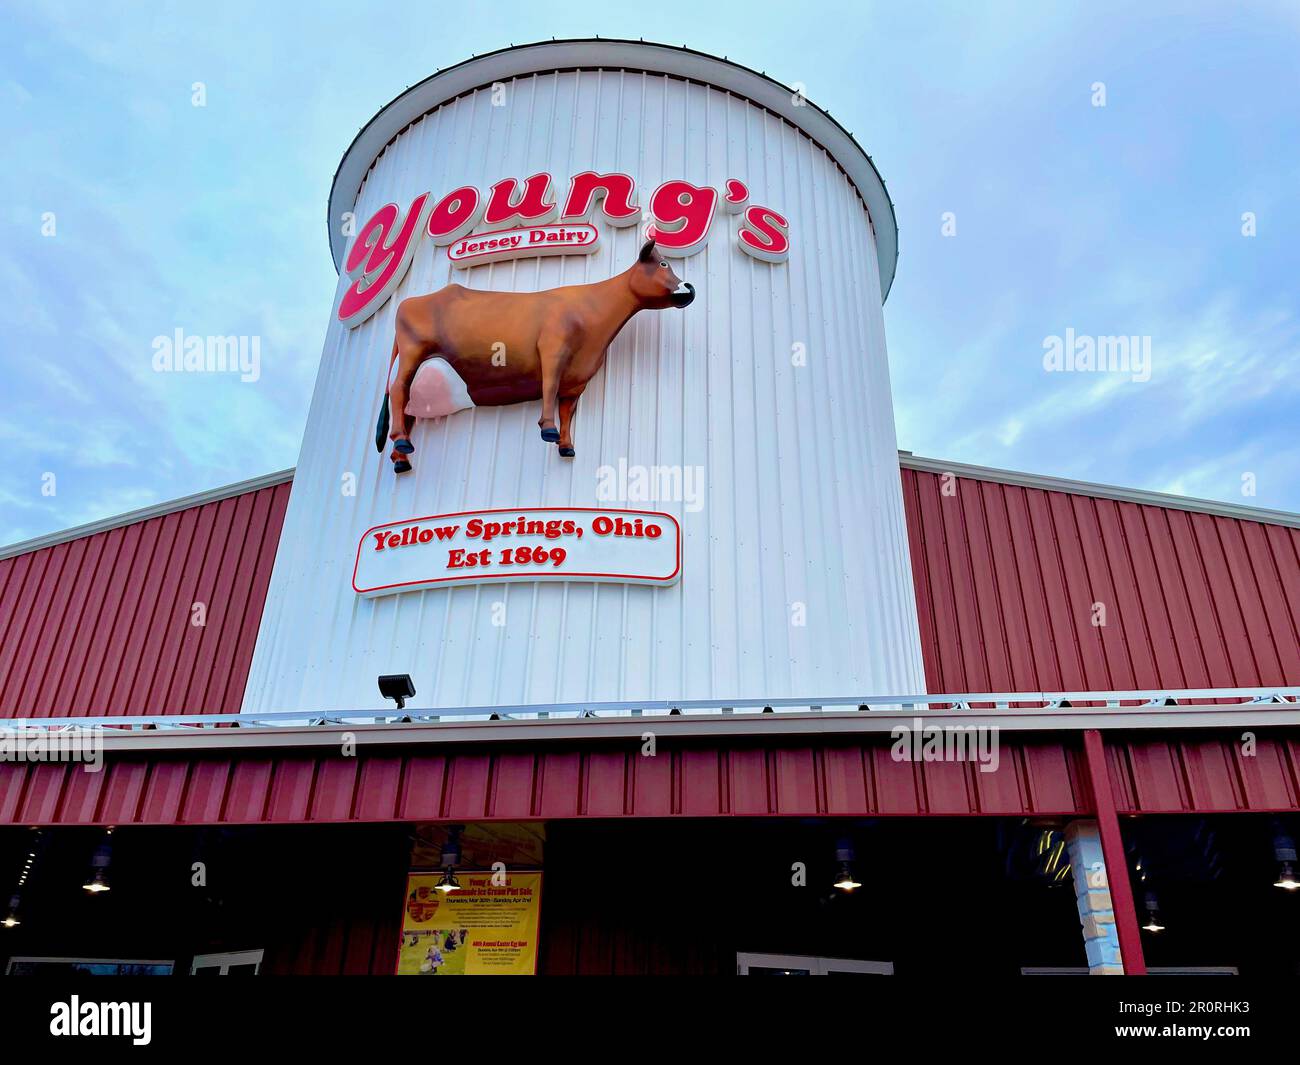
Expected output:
(1116, 220)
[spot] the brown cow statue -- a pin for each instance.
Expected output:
(458, 348)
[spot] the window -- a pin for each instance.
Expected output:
(231, 963)
(87, 967)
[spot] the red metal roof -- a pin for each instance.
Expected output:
(1006, 577)
(102, 624)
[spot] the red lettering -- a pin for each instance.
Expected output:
(764, 234)
(413, 534)
(505, 204)
(379, 259)
(614, 192)
(682, 215)
(737, 196)
(605, 526)
(455, 215)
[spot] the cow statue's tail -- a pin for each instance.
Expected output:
(382, 425)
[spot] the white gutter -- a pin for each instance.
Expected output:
(1194, 709)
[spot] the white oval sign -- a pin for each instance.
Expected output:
(537, 544)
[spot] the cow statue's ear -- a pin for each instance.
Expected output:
(647, 251)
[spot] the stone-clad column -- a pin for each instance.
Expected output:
(1092, 893)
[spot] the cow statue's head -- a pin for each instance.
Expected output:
(655, 285)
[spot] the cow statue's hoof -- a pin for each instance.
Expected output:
(567, 452)
(404, 446)
(401, 466)
(551, 435)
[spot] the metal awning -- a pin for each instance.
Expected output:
(825, 758)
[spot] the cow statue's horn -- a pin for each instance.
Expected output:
(647, 251)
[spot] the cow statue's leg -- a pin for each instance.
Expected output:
(403, 448)
(554, 359)
(408, 362)
(568, 404)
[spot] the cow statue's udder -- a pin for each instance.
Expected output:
(437, 390)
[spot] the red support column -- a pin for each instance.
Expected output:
(1112, 848)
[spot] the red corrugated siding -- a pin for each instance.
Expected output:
(1191, 774)
(102, 624)
(1197, 774)
(828, 779)
(1006, 578)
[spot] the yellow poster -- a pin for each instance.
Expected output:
(487, 928)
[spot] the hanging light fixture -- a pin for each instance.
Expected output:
(1153, 914)
(448, 860)
(98, 881)
(12, 919)
(1284, 853)
(844, 858)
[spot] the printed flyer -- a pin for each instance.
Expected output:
(486, 928)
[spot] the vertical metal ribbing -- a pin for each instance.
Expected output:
(802, 501)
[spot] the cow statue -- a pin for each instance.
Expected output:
(458, 348)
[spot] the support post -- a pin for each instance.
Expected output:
(1092, 896)
(1112, 846)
